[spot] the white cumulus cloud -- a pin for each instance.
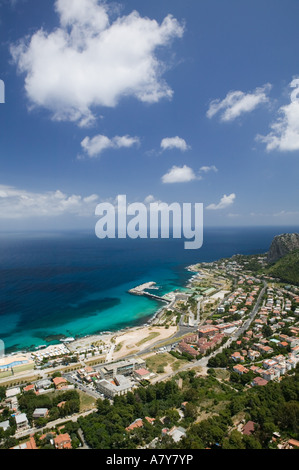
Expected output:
(285, 130)
(179, 175)
(169, 143)
(237, 102)
(89, 61)
(20, 204)
(96, 145)
(207, 169)
(225, 202)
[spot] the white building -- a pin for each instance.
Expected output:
(22, 421)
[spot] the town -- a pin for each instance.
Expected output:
(229, 325)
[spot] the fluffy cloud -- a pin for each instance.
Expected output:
(225, 202)
(88, 62)
(237, 102)
(95, 146)
(207, 169)
(285, 131)
(19, 204)
(179, 175)
(169, 143)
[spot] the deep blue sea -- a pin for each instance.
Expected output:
(73, 284)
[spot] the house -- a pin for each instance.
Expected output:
(138, 423)
(258, 381)
(43, 384)
(40, 413)
(13, 392)
(61, 404)
(4, 425)
(21, 421)
(30, 445)
(142, 374)
(63, 441)
(269, 374)
(240, 369)
(293, 443)
(268, 363)
(248, 428)
(177, 433)
(59, 382)
(29, 388)
(236, 356)
(253, 355)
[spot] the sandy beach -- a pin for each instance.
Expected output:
(126, 342)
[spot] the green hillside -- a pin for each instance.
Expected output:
(287, 268)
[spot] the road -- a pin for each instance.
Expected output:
(52, 424)
(84, 388)
(203, 362)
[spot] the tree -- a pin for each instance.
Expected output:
(190, 411)
(171, 418)
(267, 332)
(2, 393)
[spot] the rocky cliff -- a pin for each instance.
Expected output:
(282, 245)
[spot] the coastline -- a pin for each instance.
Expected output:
(107, 334)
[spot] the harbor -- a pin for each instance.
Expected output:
(141, 290)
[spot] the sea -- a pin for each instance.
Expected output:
(70, 283)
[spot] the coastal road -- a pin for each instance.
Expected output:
(203, 362)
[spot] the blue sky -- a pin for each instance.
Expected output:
(164, 100)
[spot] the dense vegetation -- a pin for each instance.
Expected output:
(273, 407)
(287, 268)
(28, 402)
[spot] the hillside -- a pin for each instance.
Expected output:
(282, 245)
(286, 268)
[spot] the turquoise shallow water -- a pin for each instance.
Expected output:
(74, 284)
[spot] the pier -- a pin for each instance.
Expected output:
(140, 290)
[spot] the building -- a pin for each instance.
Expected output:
(177, 433)
(29, 445)
(43, 384)
(186, 348)
(59, 382)
(236, 356)
(142, 374)
(204, 344)
(253, 355)
(259, 381)
(240, 369)
(29, 388)
(207, 331)
(63, 441)
(138, 423)
(21, 421)
(4, 425)
(40, 413)
(119, 385)
(248, 428)
(13, 392)
(122, 368)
